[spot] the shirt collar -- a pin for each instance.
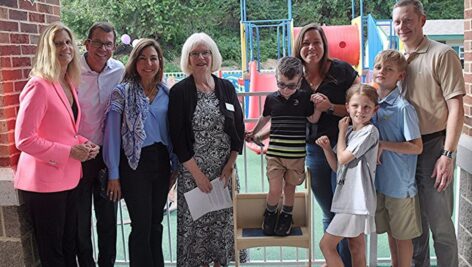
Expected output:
(279, 95)
(422, 47)
(391, 97)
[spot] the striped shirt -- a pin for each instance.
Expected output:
(288, 124)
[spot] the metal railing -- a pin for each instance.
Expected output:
(249, 171)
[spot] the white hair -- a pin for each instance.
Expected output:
(195, 40)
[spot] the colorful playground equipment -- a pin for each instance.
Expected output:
(345, 42)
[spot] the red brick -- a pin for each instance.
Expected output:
(51, 19)
(9, 112)
(47, 9)
(4, 150)
(27, 5)
(19, 38)
(468, 99)
(26, 73)
(468, 56)
(468, 121)
(8, 50)
(53, 2)
(28, 27)
(14, 159)
(11, 75)
(28, 49)
(6, 87)
(3, 13)
(21, 61)
(8, 26)
(11, 124)
(466, 25)
(5, 62)
(18, 15)
(19, 85)
(5, 162)
(56, 10)
(34, 38)
(468, 13)
(9, 100)
(9, 3)
(36, 17)
(4, 38)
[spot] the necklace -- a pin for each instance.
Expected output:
(151, 93)
(314, 83)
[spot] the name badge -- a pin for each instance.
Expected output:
(229, 107)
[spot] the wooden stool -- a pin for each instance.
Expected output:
(248, 210)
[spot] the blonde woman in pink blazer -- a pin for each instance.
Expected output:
(49, 167)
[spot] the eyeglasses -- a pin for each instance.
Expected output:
(98, 44)
(197, 54)
(290, 86)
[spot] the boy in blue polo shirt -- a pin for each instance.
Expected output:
(287, 109)
(400, 142)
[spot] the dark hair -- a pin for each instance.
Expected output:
(131, 74)
(392, 56)
(298, 46)
(363, 89)
(104, 26)
(415, 3)
(289, 67)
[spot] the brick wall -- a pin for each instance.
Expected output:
(21, 21)
(20, 25)
(465, 150)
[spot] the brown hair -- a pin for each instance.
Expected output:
(363, 89)
(415, 3)
(392, 56)
(131, 73)
(298, 46)
(289, 67)
(104, 26)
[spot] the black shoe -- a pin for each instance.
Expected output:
(284, 224)
(270, 220)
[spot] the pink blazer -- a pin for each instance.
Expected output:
(45, 132)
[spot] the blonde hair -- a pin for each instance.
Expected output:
(45, 62)
(363, 89)
(195, 40)
(392, 56)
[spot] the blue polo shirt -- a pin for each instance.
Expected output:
(396, 121)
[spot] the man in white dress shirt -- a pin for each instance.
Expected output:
(99, 75)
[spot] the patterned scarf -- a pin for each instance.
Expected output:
(128, 99)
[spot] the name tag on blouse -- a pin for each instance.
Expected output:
(229, 107)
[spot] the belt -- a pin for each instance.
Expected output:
(428, 137)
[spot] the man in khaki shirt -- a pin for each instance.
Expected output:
(434, 85)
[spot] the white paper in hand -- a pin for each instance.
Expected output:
(200, 203)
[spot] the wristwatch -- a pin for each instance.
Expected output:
(330, 110)
(449, 154)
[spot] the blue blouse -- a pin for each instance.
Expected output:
(156, 129)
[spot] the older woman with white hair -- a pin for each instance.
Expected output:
(206, 128)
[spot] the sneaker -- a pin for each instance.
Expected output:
(284, 225)
(270, 220)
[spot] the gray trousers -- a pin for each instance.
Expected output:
(436, 211)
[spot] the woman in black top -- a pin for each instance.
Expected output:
(206, 126)
(328, 79)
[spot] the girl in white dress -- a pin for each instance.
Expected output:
(354, 199)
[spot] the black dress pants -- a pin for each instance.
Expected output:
(105, 213)
(145, 192)
(54, 220)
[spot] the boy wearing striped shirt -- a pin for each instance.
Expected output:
(288, 110)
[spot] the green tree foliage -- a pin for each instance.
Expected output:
(172, 21)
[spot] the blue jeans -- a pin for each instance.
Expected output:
(323, 183)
